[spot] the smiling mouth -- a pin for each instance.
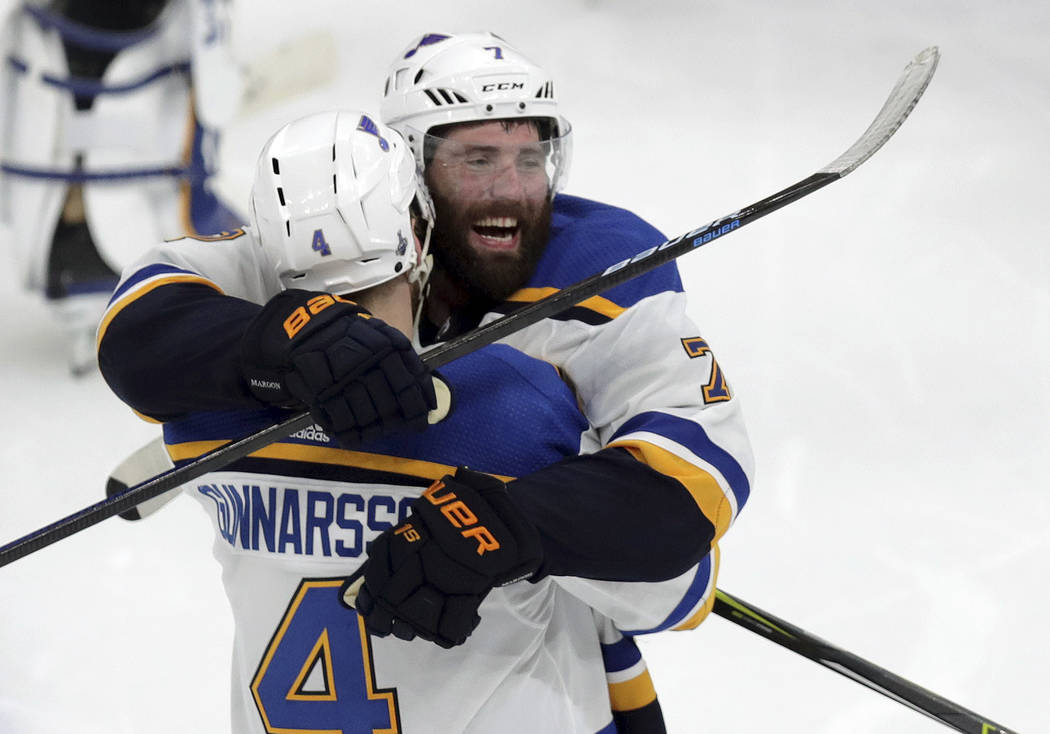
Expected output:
(497, 232)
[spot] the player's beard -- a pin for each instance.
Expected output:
(491, 275)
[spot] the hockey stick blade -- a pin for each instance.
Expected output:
(142, 465)
(902, 100)
(853, 667)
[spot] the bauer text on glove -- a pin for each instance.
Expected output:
(427, 576)
(358, 376)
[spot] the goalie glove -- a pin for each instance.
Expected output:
(427, 577)
(358, 376)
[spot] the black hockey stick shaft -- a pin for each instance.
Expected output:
(853, 667)
(903, 98)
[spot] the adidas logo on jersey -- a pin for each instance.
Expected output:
(313, 433)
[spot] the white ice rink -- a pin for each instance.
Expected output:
(889, 337)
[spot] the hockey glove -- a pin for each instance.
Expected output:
(358, 376)
(427, 577)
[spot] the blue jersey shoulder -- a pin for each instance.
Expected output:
(511, 415)
(588, 236)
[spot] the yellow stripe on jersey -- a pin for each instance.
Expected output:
(632, 694)
(600, 305)
(709, 602)
(325, 455)
(192, 449)
(146, 418)
(135, 293)
(701, 485)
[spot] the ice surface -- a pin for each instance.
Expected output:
(889, 336)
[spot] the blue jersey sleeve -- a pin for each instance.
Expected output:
(587, 237)
(172, 350)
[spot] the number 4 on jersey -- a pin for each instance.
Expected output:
(316, 675)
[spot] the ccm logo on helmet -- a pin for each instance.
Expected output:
(300, 317)
(461, 516)
(501, 86)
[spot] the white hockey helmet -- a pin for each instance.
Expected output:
(332, 202)
(442, 79)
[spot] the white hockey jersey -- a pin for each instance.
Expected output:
(294, 518)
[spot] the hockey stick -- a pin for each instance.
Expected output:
(903, 98)
(845, 663)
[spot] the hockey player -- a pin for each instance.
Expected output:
(670, 466)
(215, 337)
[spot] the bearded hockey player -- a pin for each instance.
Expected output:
(670, 466)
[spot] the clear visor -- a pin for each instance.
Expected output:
(481, 162)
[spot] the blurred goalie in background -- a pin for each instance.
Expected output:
(101, 145)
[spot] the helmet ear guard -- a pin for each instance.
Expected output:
(442, 79)
(331, 203)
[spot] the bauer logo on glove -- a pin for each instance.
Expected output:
(300, 317)
(457, 513)
(428, 576)
(359, 377)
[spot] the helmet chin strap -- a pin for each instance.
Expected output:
(421, 298)
(419, 278)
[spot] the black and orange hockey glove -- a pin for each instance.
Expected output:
(358, 376)
(427, 577)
